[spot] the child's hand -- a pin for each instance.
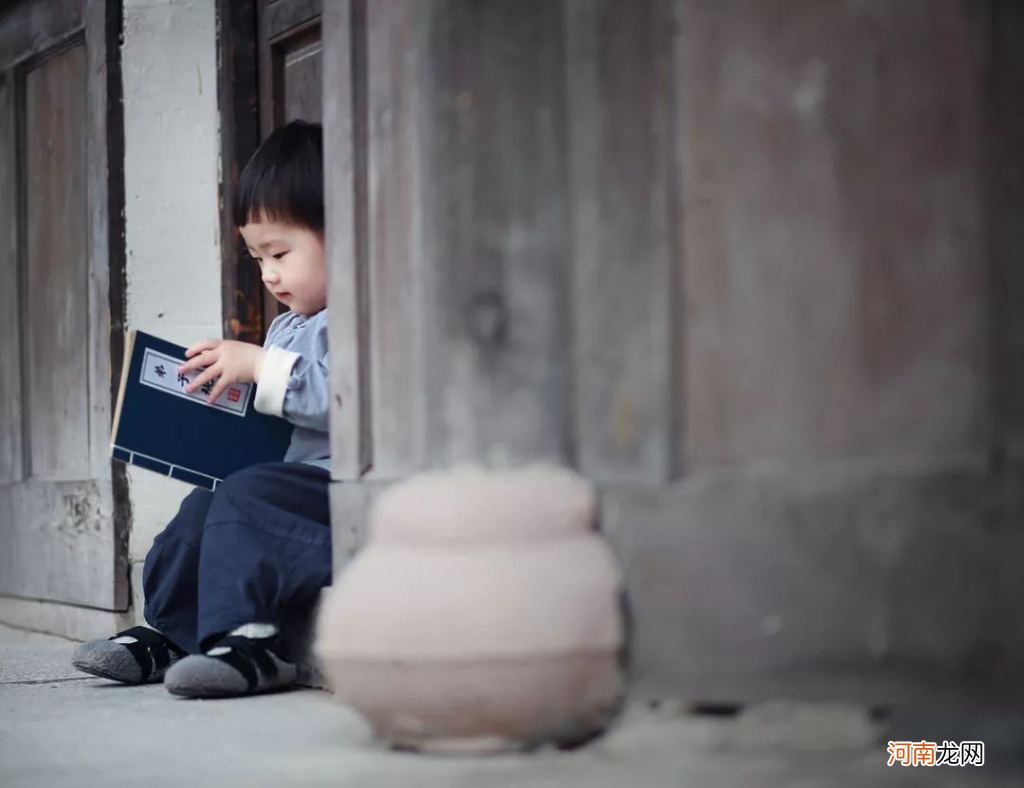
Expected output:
(225, 360)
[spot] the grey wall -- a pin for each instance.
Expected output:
(171, 171)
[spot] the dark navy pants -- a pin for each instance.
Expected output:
(258, 545)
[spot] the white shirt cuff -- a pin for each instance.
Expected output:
(273, 382)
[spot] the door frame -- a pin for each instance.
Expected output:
(238, 102)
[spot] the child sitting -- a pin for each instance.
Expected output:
(220, 575)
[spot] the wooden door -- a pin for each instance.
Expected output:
(61, 529)
(290, 68)
(290, 62)
(270, 74)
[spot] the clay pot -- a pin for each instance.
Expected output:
(482, 614)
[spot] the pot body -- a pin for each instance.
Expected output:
(483, 631)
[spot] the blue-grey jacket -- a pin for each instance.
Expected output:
(294, 383)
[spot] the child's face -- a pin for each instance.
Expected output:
(291, 259)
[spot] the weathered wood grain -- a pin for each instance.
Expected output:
(281, 17)
(344, 187)
(846, 580)
(623, 181)
(62, 532)
(834, 251)
(68, 621)
(300, 75)
(467, 241)
(816, 354)
(238, 104)
(58, 543)
(100, 252)
(1005, 204)
(351, 503)
(105, 197)
(285, 29)
(398, 269)
(60, 388)
(11, 463)
(37, 26)
(497, 233)
(1005, 207)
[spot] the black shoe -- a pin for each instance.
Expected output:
(234, 665)
(139, 655)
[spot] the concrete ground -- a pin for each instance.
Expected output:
(61, 728)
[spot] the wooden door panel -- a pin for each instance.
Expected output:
(283, 16)
(622, 180)
(58, 544)
(61, 537)
(37, 26)
(844, 315)
(290, 66)
(298, 64)
(10, 359)
(270, 73)
(57, 317)
(398, 275)
(466, 235)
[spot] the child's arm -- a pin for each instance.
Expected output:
(290, 385)
(296, 386)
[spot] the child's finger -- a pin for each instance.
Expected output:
(217, 390)
(204, 359)
(204, 344)
(205, 376)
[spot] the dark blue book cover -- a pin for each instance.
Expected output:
(161, 427)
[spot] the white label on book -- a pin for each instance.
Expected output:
(160, 371)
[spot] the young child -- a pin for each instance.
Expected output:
(218, 578)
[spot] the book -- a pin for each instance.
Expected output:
(161, 427)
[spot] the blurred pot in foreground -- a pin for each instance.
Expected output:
(482, 615)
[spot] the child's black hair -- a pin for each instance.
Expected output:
(284, 179)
